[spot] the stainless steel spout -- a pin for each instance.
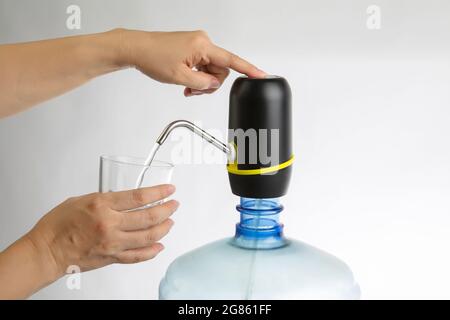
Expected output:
(228, 149)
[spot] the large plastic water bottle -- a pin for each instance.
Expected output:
(258, 263)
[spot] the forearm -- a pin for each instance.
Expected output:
(25, 267)
(36, 71)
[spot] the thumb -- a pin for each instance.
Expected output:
(199, 80)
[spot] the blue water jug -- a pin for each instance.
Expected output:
(258, 263)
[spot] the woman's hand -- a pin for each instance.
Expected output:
(58, 65)
(185, 58)
(90, 232)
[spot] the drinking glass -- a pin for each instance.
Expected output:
(120, 173)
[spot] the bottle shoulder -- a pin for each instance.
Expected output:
(297, 269)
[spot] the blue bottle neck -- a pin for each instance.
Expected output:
(259, 227)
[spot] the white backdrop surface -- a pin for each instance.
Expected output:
(371, 122)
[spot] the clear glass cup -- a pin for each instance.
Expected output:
(120, 173)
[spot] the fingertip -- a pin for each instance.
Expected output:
(258, 74)
(158, 246)
(187, 92)
(196, 92)
(215, 83)
(262, 73)
(176, 204)
(170, 189)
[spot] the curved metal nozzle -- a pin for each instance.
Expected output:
(228, 149)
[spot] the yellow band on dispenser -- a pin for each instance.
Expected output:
(233, 168)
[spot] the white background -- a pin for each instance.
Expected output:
(371, 123)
